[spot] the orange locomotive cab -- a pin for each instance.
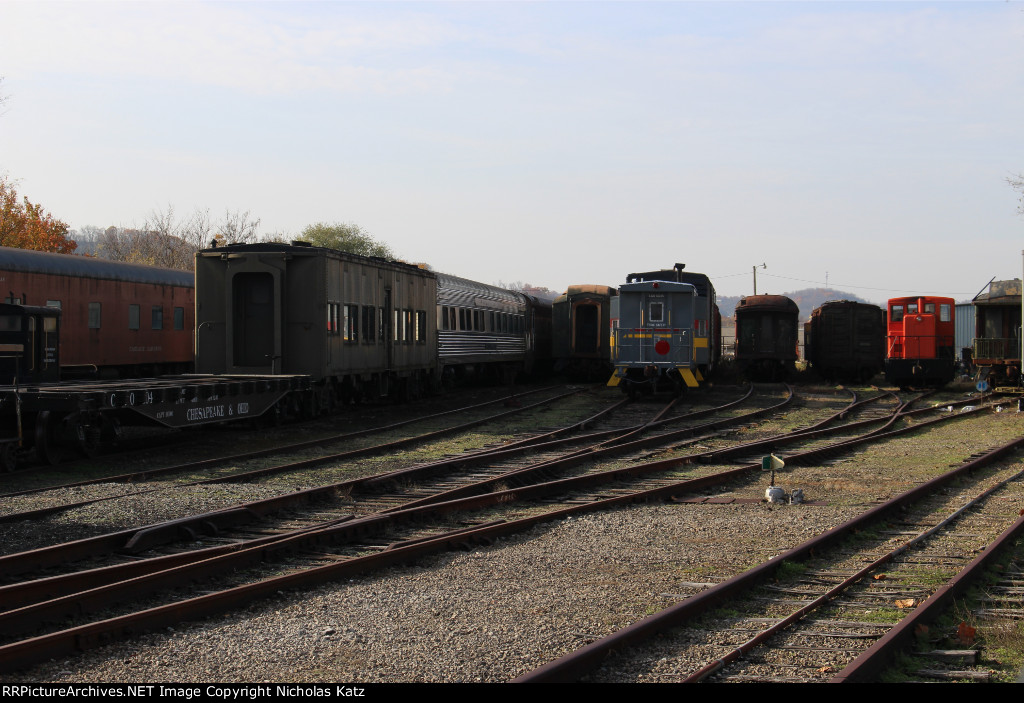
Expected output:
(919, 344)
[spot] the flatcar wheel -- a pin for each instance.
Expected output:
(8, 459)
(89, 440)
(46, 438)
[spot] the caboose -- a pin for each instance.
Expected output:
(996, 349)
(707, 321)
(653, 343)
(920, 341)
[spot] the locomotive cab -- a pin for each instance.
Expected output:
(920, 341)
(29, 348)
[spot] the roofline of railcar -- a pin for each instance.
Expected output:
(309, 250)
(31, 261)
(663, 286)
(767, 302)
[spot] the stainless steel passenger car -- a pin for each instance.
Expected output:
(358, 326)
(485, 329)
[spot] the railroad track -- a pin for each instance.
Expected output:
(223, 469)
(255, 550)
(826, 609)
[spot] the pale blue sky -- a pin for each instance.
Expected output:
(550, 143)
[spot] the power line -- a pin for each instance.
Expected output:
(835, 285)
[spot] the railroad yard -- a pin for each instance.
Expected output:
(482, 536)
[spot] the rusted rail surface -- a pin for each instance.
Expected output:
(576, 664)
(352, 529)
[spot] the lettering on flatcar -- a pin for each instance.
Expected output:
(243, 408)
(205, 413)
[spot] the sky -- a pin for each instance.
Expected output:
(864, 145)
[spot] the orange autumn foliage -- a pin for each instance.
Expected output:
(27, 226)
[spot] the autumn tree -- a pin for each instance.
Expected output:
(347, 237)
(25, 225)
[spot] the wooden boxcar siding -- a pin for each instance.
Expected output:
(472, 346)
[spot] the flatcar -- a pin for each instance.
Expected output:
(581, 320)
(766, 336)
(118, 319)
(665, 331)
(920, 341)
(41, 416)
(996, 350)
(844, 340)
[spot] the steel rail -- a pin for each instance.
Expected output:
(205, 463)
(841, 587)
(23, 653)
(575, 664)
(284, 468)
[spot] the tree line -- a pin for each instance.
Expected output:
(164, 239)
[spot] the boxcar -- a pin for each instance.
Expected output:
(766, 336)
(581, 321)
(357, 326)
(118, 319)
(996, 347)
(920, 341)
(845, 340)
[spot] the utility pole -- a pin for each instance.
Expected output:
(764, 266)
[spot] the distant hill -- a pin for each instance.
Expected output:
(807, 299)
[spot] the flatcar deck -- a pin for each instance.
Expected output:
(172, 401)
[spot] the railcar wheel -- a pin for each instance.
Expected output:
(88, 435)
(8, 457)
(46, 434)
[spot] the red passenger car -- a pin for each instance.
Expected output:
(117, 319)
(920, 341)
